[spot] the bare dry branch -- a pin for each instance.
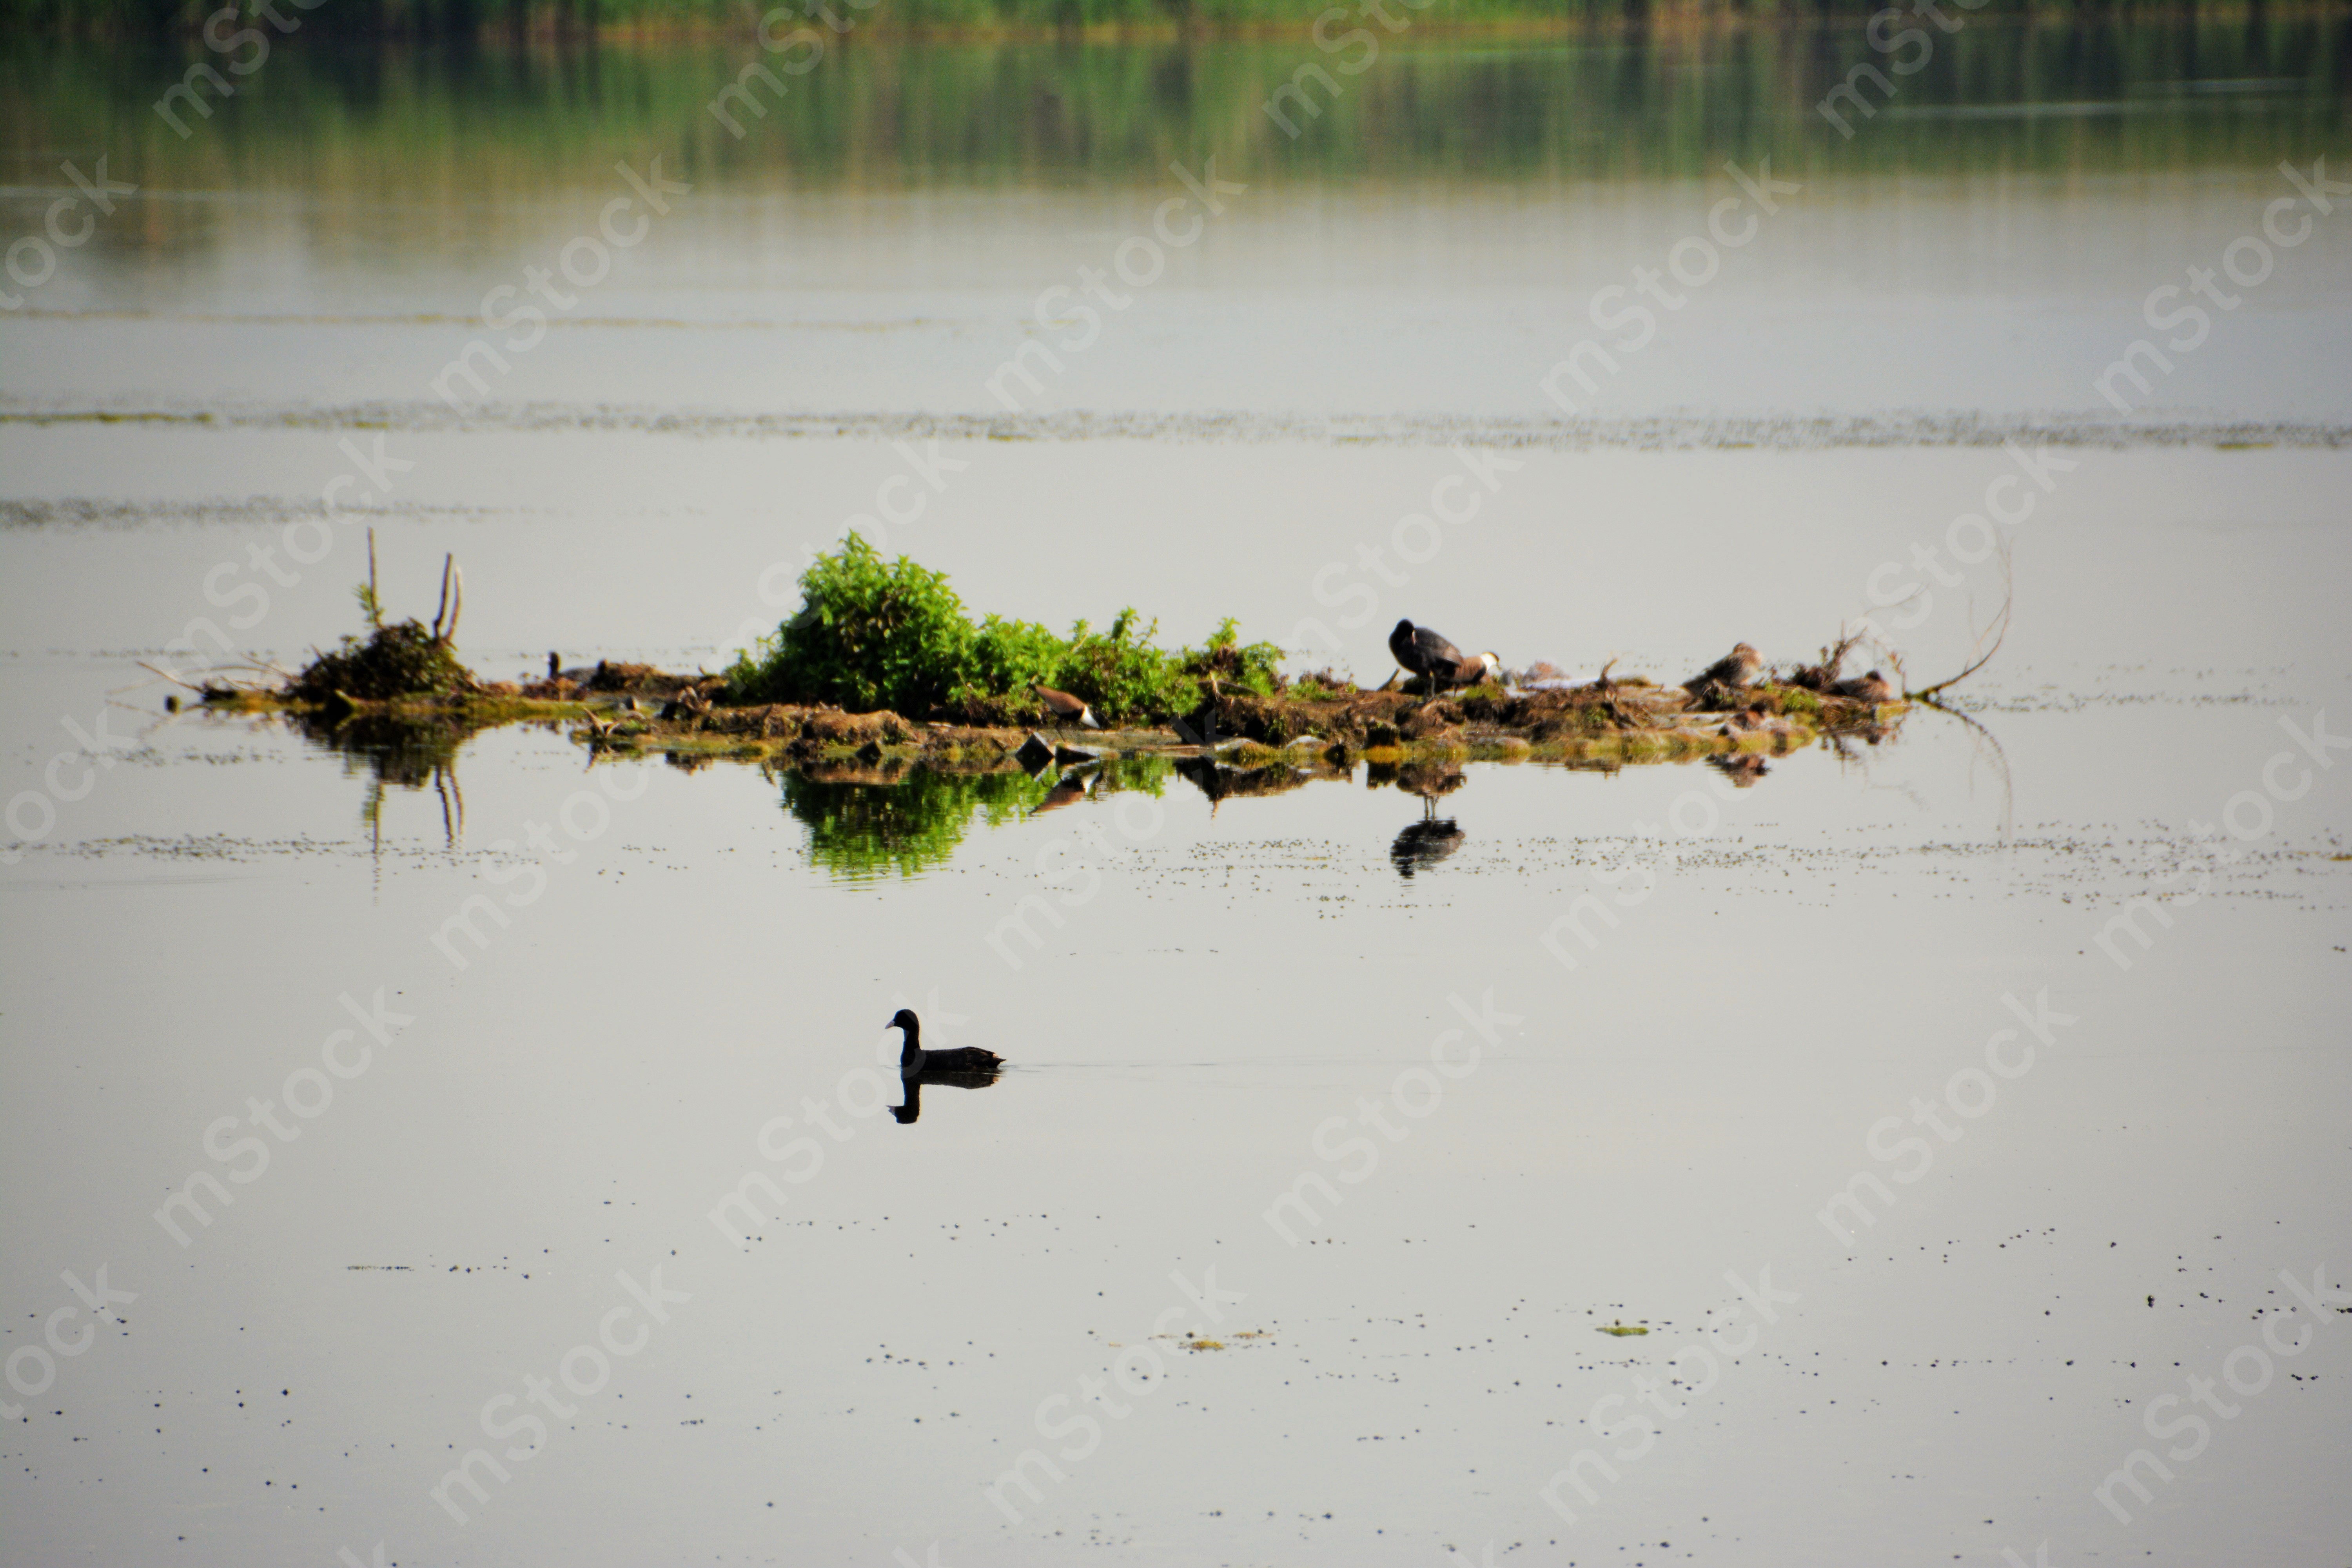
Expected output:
(1998, 631)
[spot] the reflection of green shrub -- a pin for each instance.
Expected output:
(858, 830)
(874, 635)
(864, 830)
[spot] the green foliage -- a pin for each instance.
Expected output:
(870, 634)
(1254, 667)
(1009, 658)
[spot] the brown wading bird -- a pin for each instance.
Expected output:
(1423, 653)
(1069, 709)
(1735, 670)
(1871, 688)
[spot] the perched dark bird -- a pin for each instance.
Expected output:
(1732, 671)
(1423, 653)
(914, 1060)
(1069, 709)
(1871, 688)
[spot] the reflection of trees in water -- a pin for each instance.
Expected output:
(1635, 99)
(868, 821)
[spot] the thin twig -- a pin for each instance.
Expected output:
(1998, 631)
(166, 674)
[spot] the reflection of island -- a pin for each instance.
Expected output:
(1221, 781)
(400, 751)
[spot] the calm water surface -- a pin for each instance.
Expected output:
(1603, 1052)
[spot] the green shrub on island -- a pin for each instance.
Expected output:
(873, 634)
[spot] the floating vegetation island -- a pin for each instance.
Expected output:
(882, 669)
(896, 719)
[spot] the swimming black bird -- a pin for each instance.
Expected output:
(1423, 653)
(914, 1060)
(1069, 709)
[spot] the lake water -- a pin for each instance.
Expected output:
(1390, 1121)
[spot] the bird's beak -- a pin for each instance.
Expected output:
(1088, 719)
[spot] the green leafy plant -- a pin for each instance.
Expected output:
(871, 634)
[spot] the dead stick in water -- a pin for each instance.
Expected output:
(456, 603)
(1999, 630)
(166, 674)
(442, 610)
(375, 605)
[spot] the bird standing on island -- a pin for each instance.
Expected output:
(1069, 709)
(1873, 688)
(1732, 671)
(1425, 653)
(913, 1060)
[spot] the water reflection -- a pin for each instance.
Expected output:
(910, 1110)
(866, 822)
(400, 753)
(506, 119)
(1742, 770)
(1223, 781)
(868, 819)
(1421, 844)
(1424, 843)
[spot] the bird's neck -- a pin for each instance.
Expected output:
(913, 1048)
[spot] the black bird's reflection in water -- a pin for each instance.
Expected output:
(966, 1066)
(913, 1108)
(1425, 843)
